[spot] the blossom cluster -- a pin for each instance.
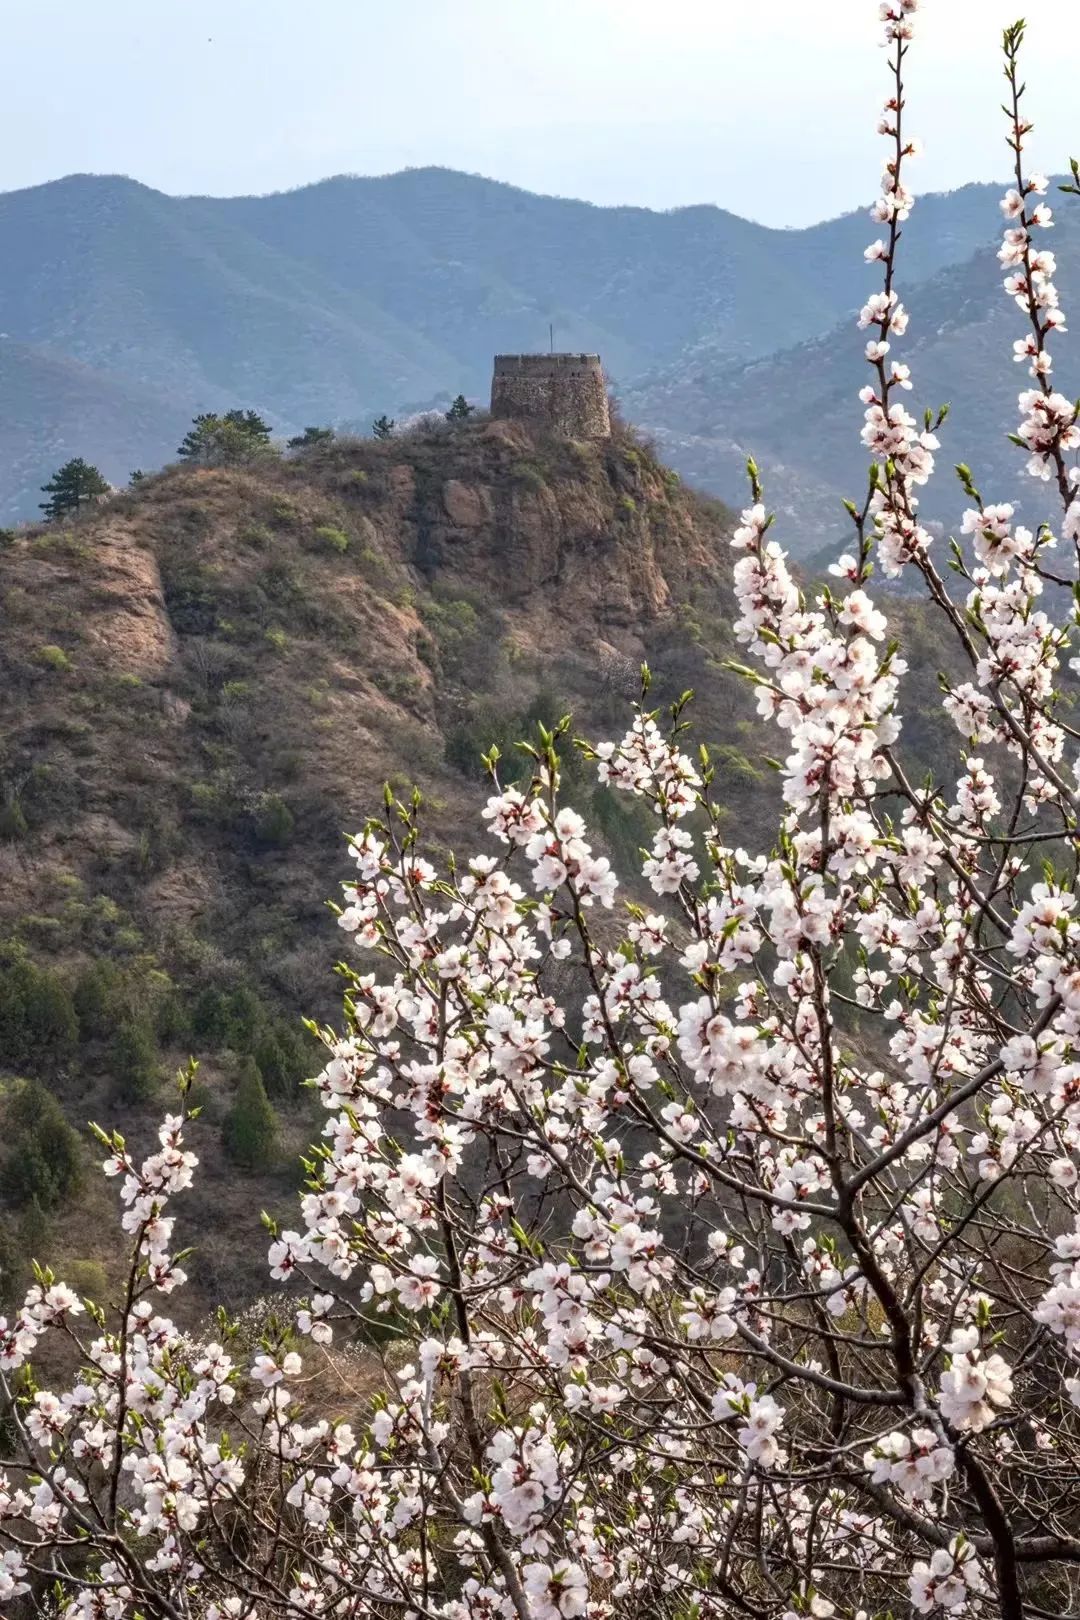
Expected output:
(720, 1223)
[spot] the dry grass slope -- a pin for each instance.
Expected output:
(204, 684)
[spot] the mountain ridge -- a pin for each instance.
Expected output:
(354, 296)
(796, 411)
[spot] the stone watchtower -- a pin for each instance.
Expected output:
(565, 393)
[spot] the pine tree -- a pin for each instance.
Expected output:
(14, 1036)
(43, 1159)
(249, 1130)
(245, 1016)
(12, 1287)
(382, 427)
(249, 423)
(134, 1061)
(460, 410)
(198, 442)
(171, 1020)
(96, 995)
(311, 436)
(51, 1021)
(24, 1238)
(210, 1017)
(73, 485)
(224, 440)
(38, 1027)
(12, 820)
(285, 1058)
(273, 823)
(35, 1236)
(272, 1063)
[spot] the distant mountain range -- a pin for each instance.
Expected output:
(123, 311)
(796, 411)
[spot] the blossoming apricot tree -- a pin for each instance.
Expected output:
(733, 1251)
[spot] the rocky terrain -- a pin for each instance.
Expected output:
(205, 684)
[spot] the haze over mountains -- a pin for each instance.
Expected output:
(124, 311)
(795, 409)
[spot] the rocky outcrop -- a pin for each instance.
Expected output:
(468, 506)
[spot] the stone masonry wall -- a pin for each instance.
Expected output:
(563, 392)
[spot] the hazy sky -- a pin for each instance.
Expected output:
(763, 106)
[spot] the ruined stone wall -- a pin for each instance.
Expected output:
(565, 393)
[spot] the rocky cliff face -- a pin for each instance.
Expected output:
(205, 683)
(201, 612)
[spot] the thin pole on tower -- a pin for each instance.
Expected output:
(551, 337)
